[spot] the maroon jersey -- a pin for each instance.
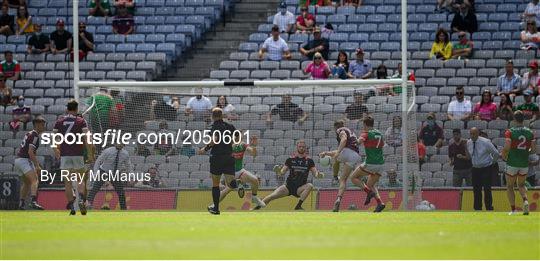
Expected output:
(351, 139)
(31, 139)
(70, 124)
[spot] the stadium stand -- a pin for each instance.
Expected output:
(167, 30)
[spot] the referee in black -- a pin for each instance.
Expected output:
(221, 160)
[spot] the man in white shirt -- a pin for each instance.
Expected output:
(275, 46)
(459, 109)
(199, 106)
(284, 19)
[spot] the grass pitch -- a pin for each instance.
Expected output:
(269, 235)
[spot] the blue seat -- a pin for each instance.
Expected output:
(358, 37)
(146, 29)
(488, 27)
(178, 39)
(416, 18)
(175, 20)
(347, 28)
(428, 9)
(47, 12)
(186, 29)
(7, 47)
(513, 44)
(387, 28)
(371, 47)
(486, 8)
(146, 48)
(209, 12)
(379, 37)
(336, 19)
(356, 19)
(146, 11)
(376, 18)
(94, 20)
(346, 10)
(349, 46)
(16, 39)
(194, 2)
(165, 29)
(156, 20)
(167, 48)
(115, 38)
(155, 3)
(258, 37)
(298, 38)
(103, 29)
(390, 46)
(419, 36)
(135, 38)
(165, 11)
(106, 48)
(174, 3)
(386, 9)
(371, 28)
(366, 9)
(248, 47)
(265, 28)
(437, 18)
(184, 10)
(339, 37)
(501, 17)
(428, 27)
(492, 45)
(155, 38)
(482, 36)
(501, 35)
(326, 10)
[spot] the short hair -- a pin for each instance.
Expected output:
(300, 141)
(339, 124)
(7, 52)
(460, 87)
(510, 61)
(518, 116)
(456, 131)
(38, 118)
(72, 105)
(368, 121)
(275, 28)
(217, 113)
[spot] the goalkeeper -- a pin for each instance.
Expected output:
(299, 166)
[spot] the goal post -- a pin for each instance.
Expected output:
(146, 106)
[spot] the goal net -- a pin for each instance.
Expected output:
(167, 124)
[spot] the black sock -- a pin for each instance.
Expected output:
(21, 203)
(82, 197)
(215, 197)
(33, 198)
(299, 205)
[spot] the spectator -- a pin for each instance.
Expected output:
(315, 2)
(163, 147)
(287, 111)
(10, 69)
(382, 72)
(276, 47)
(442, 47)
(361, 68)
(317, 45)
(531, 174)
(99, 7)
(431, 133)
(123, 22)
(5, 93)
(227, 108)
(24, 21)
(142, 150)
(397, 75)
(532, 12)
(14, 3)
(318, 68)
(459, 109)
(327, 30)
(530, 78)
(199, 106)
(529, 108)
(154, 182)
(305, 22)
(357, 110)
(464, 20)
(61, 39)
(483, 156)
(161, 110)
(21, 115)
(86, 41)
(187, 149)
(530, 37)
(175, 103)
(284, 19)
(421, 151)
(392, 181)
(463, 48)
(486, 109)
(129, 4)
(505, 110)
(341, 67)
(7, 22)
(38, 42)
(459, 159)
(510, 82)
(393, 135)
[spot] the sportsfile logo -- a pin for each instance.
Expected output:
(111, 137)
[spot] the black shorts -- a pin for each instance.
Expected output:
(222, 165)
(293, 188)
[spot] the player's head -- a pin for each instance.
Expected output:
(275, 32)
(217, 114)
(39, 123)
(301, 147)
(519, 117)
(339, 124)
(369, 122)
(73, 106)
(474, 133)
(456, 133)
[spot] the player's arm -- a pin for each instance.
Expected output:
(316, 173)
(342, 143)
(533, 147)
(252, 147)
(507, 145)
(33, 158)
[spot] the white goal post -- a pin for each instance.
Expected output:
(407, 106)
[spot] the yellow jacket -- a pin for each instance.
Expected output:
(445, 50)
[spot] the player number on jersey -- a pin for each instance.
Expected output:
(523, 143)
(70, 125)
(6, 188)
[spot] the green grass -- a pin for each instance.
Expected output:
(269, 235)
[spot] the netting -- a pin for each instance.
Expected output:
(169, 118)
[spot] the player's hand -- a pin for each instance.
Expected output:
(277, 169)
(322, 154)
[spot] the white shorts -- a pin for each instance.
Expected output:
(239, 173)
(349, 157)
(512, 171)
(72, 162)
(24, 165)
(373, 168)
